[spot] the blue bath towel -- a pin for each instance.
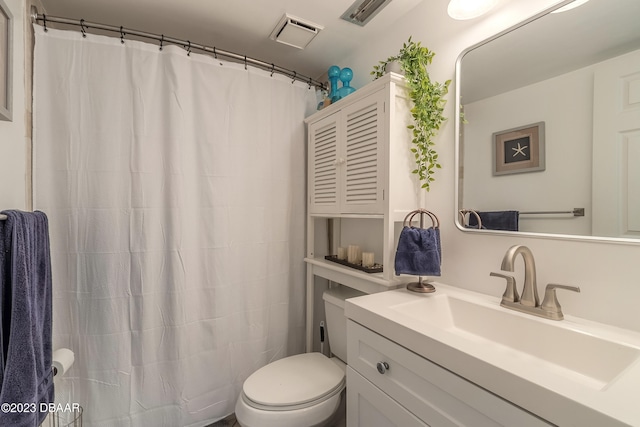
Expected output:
(419, 252)
(496, 220)
(26, 376)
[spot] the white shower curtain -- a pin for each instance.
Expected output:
(174, 187)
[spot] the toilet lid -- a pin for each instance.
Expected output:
(294, 380)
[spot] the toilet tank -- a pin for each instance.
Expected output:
(336, 321)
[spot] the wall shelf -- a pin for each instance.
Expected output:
(368, 283)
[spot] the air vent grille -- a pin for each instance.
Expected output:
(295, 32)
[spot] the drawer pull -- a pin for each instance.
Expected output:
(382, 367)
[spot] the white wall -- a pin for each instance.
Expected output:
(14, 136)
(608, 274)
(565, 105)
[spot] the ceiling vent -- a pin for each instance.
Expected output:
(363, 11)
(295, 32)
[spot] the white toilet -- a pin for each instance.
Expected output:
(302, 390)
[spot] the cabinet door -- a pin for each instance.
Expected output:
(363, 181)
(323, 165)
(367, 406)
(435, 395)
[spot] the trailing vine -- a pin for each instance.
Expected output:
(428, 105)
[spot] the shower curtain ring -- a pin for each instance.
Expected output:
(294, 77)
(161, 41)
(82, 29)
(245, 62)
(44, 22)
(189, 48)
(215, 54)
(309, 82)
(273, 69)
(122, 34)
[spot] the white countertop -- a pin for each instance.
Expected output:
(555, 393)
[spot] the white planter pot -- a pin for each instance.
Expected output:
(394, 67)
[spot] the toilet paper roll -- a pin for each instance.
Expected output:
(62, 360)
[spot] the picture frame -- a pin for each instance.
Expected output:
(6, 63)
(519, 150)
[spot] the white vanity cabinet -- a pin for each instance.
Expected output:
(368, 406)
(359, 184)
(388, 385)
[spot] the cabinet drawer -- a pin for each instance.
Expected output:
(435, 395)
(367, 406)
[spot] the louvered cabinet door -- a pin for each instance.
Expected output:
(362, 168)
(323, 165)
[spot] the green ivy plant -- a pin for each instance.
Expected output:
(428, 105)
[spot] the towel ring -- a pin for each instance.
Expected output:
(420, 286)
(435, 222)
(464, 212)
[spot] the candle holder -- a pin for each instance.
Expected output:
(367, 259)
(375, 268)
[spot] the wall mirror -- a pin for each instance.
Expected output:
(550, 129)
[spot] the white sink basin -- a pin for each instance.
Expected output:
(593, 360)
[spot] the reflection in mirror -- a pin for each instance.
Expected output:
(551, 132)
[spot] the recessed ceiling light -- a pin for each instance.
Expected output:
(570, 6)
(469, 9)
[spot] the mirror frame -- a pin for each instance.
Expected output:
(458, 160)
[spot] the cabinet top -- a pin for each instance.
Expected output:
(369, 88)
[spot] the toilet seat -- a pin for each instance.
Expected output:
(293, 383)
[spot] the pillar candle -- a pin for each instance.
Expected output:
(367, 259)
(354, 256)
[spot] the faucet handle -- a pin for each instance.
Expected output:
(510, 293)
(550, 302)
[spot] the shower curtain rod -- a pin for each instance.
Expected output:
(186, 44)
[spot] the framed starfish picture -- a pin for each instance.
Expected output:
(519, 150)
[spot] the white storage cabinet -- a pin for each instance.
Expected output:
(359, 168)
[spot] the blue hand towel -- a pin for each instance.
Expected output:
(419, 252)
(496, 220)
(25, 315)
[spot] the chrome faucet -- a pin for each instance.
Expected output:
(529, 302)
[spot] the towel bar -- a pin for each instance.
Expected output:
(2, 217)
(574, 212)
